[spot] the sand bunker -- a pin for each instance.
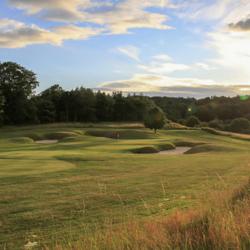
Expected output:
(47, 141)
(176, 151)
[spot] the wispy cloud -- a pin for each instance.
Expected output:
(114, 17)
(163, 64)
(165, 86)
(130, 51)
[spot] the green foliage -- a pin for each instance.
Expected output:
(217, 124)
(16, 85)
(155, 119)
(240, 125)
(192, 121)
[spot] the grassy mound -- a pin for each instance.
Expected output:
(166, 146)
(121, 134)
(174, 125)
(59, 135)
(179, 143)
(229, 134)
(72, 139)
(145, 150)
(21, 140)
(34, 136)
(208, 148)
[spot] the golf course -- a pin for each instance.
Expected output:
(63, 182)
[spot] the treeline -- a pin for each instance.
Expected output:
(20, 105)
(225, 113)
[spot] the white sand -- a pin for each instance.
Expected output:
(176, 151)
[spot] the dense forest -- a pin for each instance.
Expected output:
(20, 105)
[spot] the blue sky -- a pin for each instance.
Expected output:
(163, 47)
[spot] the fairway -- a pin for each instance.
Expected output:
(60, 191)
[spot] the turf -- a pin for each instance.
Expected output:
(63, 191)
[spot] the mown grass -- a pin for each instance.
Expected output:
(69, 190)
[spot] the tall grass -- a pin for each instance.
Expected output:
(222, 222)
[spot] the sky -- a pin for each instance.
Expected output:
(189, 48)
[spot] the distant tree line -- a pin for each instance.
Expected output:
(20, 105)
(216, 112)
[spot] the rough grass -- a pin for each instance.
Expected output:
(180, 143)
(228, 134)
(121, 134)
(223, 225)
(209, 148)
(21, 140)
(71, 190)
(166, 146)
(59, 135)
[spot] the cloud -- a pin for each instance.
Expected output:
(163, 64)
(15, 34)
(204, 66)
(164, 86)
(118, 17)
(112, 17)
(232, 49)
(243, 25)
(130, 51)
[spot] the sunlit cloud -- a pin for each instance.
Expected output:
(119, 17)
(163, 64)
(168, 86)
(15, 34)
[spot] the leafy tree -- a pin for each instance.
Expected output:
(205, 113)
(192, 121)
(155, 119)
(46, 111)
(1, 108)
(53, 95)
(239, 125)
(217, 124)
(83, 105)
(17, 85)
(104, 107)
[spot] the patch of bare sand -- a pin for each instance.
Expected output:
(176, 151)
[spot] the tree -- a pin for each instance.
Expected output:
(104, 107)
(239, 125)
(54, 95)
(46, 111)
(155, 119)
(1, 108)
(192, 121)
(17, 85)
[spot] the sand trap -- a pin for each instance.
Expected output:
(176, 151)
(46, 141)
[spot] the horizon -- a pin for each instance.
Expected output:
(155, 47)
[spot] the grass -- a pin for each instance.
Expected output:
(89, 183)
(223, 225)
